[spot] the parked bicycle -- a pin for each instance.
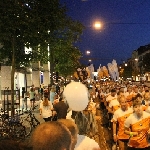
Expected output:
(10, 127)
(19, 127)
(29, 121)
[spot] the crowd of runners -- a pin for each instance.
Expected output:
(126, 106)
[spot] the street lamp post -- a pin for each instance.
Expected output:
(0, 83)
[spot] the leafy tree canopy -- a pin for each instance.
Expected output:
(35, 24)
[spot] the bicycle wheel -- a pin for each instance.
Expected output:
(34, 121)
(20, 131)
(28, 127)
(17, 131)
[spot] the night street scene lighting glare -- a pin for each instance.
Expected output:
(97, 25)
(88, 52)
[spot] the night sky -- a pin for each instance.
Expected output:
(126, 27)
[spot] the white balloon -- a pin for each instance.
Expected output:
(76, 95)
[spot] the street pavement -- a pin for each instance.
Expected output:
(36, 112)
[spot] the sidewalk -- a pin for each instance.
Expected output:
(36, 112)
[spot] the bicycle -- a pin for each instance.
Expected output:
(29, 122)
(11, 128)
(18, 127)
(3, 127)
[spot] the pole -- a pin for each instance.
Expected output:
(0, 84)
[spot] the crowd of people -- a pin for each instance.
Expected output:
(80, 126)
(125, 106)
(127, 109)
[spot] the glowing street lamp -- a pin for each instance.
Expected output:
(88, 52)
(97, 25)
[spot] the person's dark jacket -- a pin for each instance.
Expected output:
(61, 108)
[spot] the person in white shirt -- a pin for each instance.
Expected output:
(112, 96)
(135, 91)
(113, 106)
(84, 126)
(145, 88)
(86, 143)
(146, 100)
(46, 108)
(137, 126)
(109, 99)
(129, 95)
(119, 117)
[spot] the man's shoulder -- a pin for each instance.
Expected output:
(118, 111)
(86, 142)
